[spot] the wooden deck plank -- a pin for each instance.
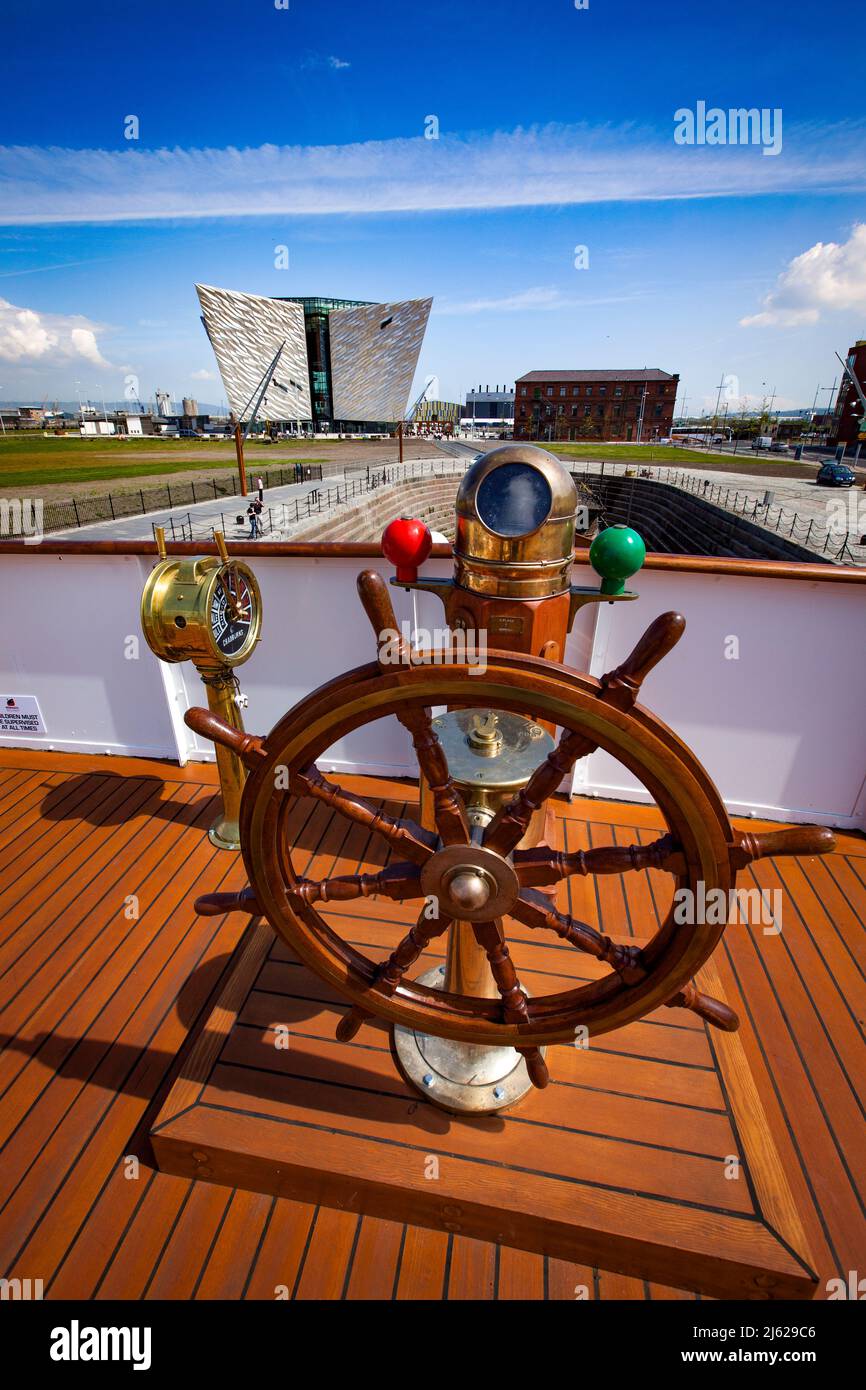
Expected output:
(275, 1264)
(376, 1259)
(225, 1273)
(326, 1259)
(91, 1048)
(472, 1269)
(57, 948)
(186, 1241)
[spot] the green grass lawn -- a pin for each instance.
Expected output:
(27, 460)
(640, 453)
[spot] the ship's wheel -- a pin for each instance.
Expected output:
(463, 873)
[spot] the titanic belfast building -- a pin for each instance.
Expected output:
(344, 365)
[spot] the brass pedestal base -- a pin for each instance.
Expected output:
(461, 1077)
(225, 833)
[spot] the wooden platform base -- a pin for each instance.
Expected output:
(649, 1153)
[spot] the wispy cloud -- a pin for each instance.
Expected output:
(538, 166)
(41, 269)
(322, 60)
(827, 277)
(542, 297)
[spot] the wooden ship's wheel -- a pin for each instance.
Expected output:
(477, 865)
(470, 869)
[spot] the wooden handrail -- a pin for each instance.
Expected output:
(367, 550)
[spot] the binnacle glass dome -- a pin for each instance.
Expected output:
(514, 499)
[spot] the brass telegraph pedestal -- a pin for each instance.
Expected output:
(208, 610)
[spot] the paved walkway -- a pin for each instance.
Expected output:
(286, 509)
(798, 507)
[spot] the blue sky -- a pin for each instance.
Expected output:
(305, 127)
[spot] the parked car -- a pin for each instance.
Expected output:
(778, 446)
(762, 441)
(833, 474)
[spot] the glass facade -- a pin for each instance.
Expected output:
(317, 312)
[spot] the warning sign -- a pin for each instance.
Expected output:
(20, 714)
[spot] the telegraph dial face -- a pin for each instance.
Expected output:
(232, 613)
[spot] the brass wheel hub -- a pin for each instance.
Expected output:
(470, 883)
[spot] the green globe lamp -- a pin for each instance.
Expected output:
(616, 554)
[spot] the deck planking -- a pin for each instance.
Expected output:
(96, 1008)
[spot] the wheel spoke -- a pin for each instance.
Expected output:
(797, 839)
(711, 1010)
(533, 911)
(398, 881)
(449, 812)
(535, 867)
(619, 688)
(390, 973)
(511, 822)
(448, 809)
(490, 937)
(403, 835)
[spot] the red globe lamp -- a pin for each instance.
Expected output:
(406, 542)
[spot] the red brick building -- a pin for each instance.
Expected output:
(848, 410)
(629, 405)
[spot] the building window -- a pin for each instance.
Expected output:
(587, 409)
(617, 410)
(523, 390)
(562, 390)
(550, 390)
(575, 391)
(602, 390)
(574, 410)
(617, 390)
(658, 410)
(589, 390)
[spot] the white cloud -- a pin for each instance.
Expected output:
(827, 277)
(202, 375)
(28, 337)
(325, 60)
(535, 166)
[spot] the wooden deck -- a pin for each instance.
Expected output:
(106, 971)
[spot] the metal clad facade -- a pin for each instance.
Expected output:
(245, 331)
(374, 354)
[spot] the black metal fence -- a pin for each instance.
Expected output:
(110, 506)
(282, 517)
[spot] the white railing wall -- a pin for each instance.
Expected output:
(766, 685)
